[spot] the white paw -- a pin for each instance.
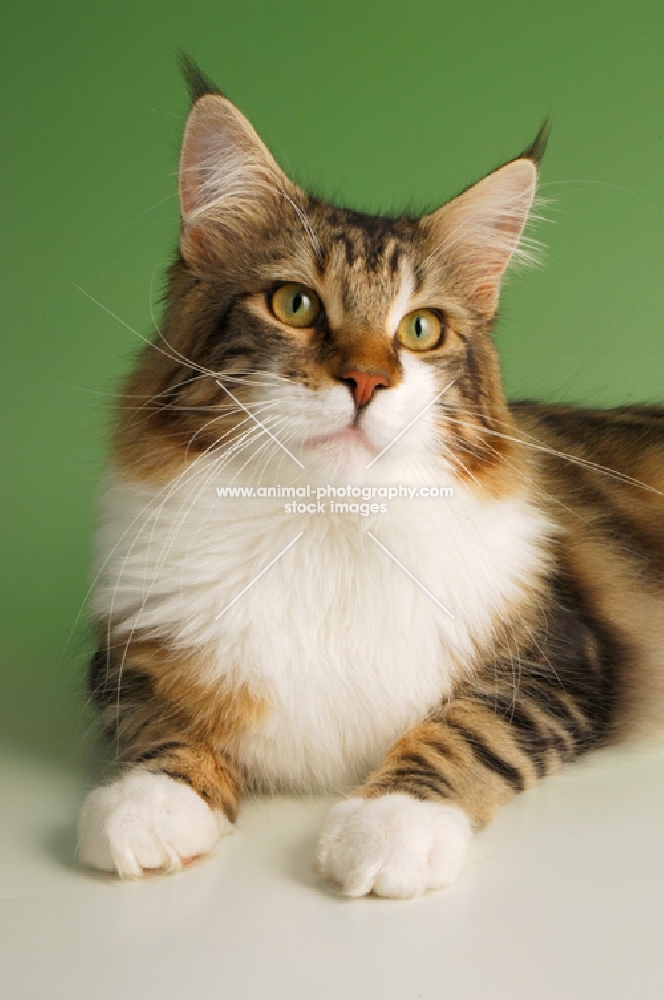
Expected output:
(393, 846)
(145, 821)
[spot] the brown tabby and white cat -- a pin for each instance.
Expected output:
(429, 657)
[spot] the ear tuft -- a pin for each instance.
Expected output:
(198, 84)
(537, 148)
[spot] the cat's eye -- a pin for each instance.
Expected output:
(421, 330)
(296, 305)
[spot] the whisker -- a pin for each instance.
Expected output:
(208, 475)
(529, 482)
(537, 445)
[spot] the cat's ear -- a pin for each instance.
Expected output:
(477, 234)
(227, 175)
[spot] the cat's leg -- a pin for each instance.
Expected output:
(407, 830)
(154, 817)
(176, 792)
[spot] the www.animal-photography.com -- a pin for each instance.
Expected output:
(333, 644)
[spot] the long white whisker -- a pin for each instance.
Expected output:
(574, 459)
(236, 400)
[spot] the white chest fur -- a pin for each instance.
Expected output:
(344, 645)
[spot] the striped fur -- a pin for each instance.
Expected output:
(520, 718)
(335, 671)
(183, 737)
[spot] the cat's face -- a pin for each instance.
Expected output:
(335, 329)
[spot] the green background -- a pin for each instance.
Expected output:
(386, 105)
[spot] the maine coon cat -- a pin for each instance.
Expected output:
(431, 599)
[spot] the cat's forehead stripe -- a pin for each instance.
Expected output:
(368, 275)
(401, 301)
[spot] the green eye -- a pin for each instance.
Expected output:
(296, 305)
(420, 330)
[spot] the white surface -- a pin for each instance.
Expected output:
(560, 898)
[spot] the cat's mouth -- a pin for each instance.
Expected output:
(351, 437)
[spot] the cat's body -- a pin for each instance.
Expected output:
(443, 651)
(344, 648)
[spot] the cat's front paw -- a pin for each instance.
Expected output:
(146, 821)
(394, 845)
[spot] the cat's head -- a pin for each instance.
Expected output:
(335, 329)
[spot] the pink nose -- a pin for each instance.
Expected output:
(364, 383)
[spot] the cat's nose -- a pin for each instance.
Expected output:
(363, 384)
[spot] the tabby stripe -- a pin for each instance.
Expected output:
(409, 782)
(558, 706)
(157, 751)
(417, 780)
(130, 724)
(534, 736)
(568, 714)
(184, 778)
(418, 761)
(449, 753)
(419, 766)
(510, 774)
(538, 742)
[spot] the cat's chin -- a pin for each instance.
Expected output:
(343, 449)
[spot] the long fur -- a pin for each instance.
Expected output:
(434, 655)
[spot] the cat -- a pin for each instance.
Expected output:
(426, 657)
